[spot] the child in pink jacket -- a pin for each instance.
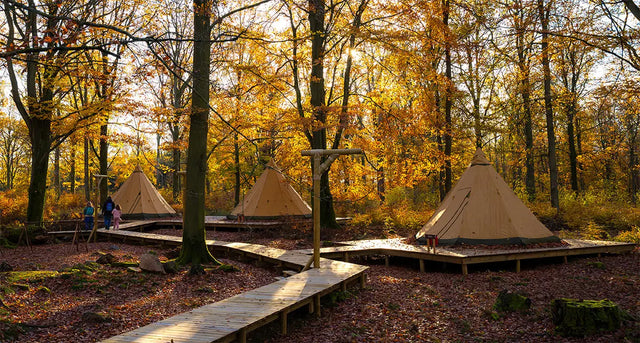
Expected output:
(117, 213)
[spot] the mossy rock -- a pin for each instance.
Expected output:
(579, 318)
(88, 267)
(124, 264)
(106, 258)
(228, 268)
(511, 302)
(170, 267)
(29, 275)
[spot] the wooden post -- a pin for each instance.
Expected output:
(318, 170)
(77, 236)
(25, 233)
(283, 321)
(517, 266)
(242, 335)
(465, 271)
(421, 265)
(386, 261)
(316, 305)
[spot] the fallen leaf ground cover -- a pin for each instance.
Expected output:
(401, 304)
(69, 300)
(398, 304)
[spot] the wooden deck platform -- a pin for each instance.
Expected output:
(468, 256)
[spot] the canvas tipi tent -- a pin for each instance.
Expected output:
(272, 197)
(482, 209)
(139, 199)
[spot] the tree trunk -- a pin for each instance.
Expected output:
(447, 104)
(316, 83)
(103, 160)
(236, 161)
(571, 139)
(633, 170)
(548, 105)
(72, 171)
(175, 158)
(525, 93)
(87, 177)
(380, 183)
(579, 150)
(194, 248)
(57, 184)
(40, 132)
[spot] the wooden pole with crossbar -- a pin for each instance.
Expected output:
(319, 169)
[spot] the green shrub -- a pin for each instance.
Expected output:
(631, 236)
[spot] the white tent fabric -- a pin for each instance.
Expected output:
(272, 197)
(138, 198)
(482, 209)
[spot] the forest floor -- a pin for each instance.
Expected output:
(399, 303)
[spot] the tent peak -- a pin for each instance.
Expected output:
(137, 169)
(272, 164)
(479, 158)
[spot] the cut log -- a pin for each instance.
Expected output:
(579, 318)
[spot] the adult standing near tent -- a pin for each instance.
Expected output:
(107, 209)
(88, 216)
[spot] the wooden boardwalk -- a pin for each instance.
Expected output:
(232, 318)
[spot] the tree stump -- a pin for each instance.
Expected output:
(579, 318)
